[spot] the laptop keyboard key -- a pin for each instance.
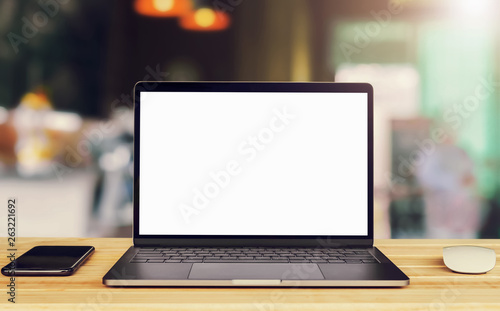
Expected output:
(149, 255)
(226, 261)
(350, 257)
(171, 254)
(319, 261)
(336, 261)
(155, 260)
(353, 261)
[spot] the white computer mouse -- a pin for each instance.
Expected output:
(469, 259)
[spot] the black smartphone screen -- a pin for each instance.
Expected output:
(45, 260)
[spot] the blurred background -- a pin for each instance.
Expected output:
(67, 70)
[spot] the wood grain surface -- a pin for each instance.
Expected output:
(432, 285)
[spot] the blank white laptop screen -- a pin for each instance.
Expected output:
(253, 164)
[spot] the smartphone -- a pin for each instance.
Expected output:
(49, 260)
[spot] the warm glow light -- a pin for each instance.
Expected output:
(62, 121)
(162, 8)
(205, 19)
(163, 5)
(474, 8)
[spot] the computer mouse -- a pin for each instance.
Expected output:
(469, 259)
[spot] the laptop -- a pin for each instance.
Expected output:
(253, 184)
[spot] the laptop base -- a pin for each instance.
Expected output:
(127, 274)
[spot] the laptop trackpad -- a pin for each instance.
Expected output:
(261, 271)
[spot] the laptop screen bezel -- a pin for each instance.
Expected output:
(252, 240)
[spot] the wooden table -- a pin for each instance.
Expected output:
(433, 286)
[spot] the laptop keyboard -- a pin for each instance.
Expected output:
(253, 255)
